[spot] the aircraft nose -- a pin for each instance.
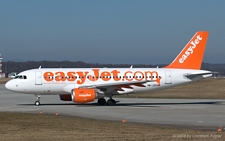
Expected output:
(8, 85)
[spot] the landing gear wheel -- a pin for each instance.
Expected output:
(101, 101)
(111, 102)
(37, 103)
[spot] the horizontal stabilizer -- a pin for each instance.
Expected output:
(193, 75)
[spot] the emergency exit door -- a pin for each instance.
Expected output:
(38, 80)
(168, 77)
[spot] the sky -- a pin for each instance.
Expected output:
(109, 31)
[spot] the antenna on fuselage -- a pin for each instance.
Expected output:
(131, 66)
(39, 67)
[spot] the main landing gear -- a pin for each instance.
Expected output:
(37, 103)
(110, 102)
(101, 101)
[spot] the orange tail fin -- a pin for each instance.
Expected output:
(192, 54)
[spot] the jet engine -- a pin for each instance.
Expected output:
(82, 95)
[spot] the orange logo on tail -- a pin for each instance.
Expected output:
(190, 50)
(192, 54)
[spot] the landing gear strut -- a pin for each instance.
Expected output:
(37, 103)
(101, 101)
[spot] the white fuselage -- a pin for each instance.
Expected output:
(62, 81)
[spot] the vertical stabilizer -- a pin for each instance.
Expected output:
(192, 55)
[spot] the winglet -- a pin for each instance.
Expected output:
(192, 54)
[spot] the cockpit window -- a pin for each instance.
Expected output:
(16, 77)
(20, 77)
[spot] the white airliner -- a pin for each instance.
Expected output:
(83, 85)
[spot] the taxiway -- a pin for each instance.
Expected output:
(191, 113)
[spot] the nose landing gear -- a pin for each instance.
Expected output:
(37, 103)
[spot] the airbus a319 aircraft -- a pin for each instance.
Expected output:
(83, 85)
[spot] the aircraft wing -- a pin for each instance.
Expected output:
(109, 86)
(116, 84)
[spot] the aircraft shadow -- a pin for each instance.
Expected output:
(168, 103)
(118, 104)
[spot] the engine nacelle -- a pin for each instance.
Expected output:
(65, 97)
(83, 95)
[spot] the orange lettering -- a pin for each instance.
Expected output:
(82, 77)
(96, 75)
(60, 76)
(71, 76)
(48, 76)
(140, 76)
(126, 76)
(106, 76)
(115, 75)
(151, 74)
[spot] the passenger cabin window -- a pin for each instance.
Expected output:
(20, 77)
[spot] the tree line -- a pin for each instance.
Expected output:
(11, 66)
